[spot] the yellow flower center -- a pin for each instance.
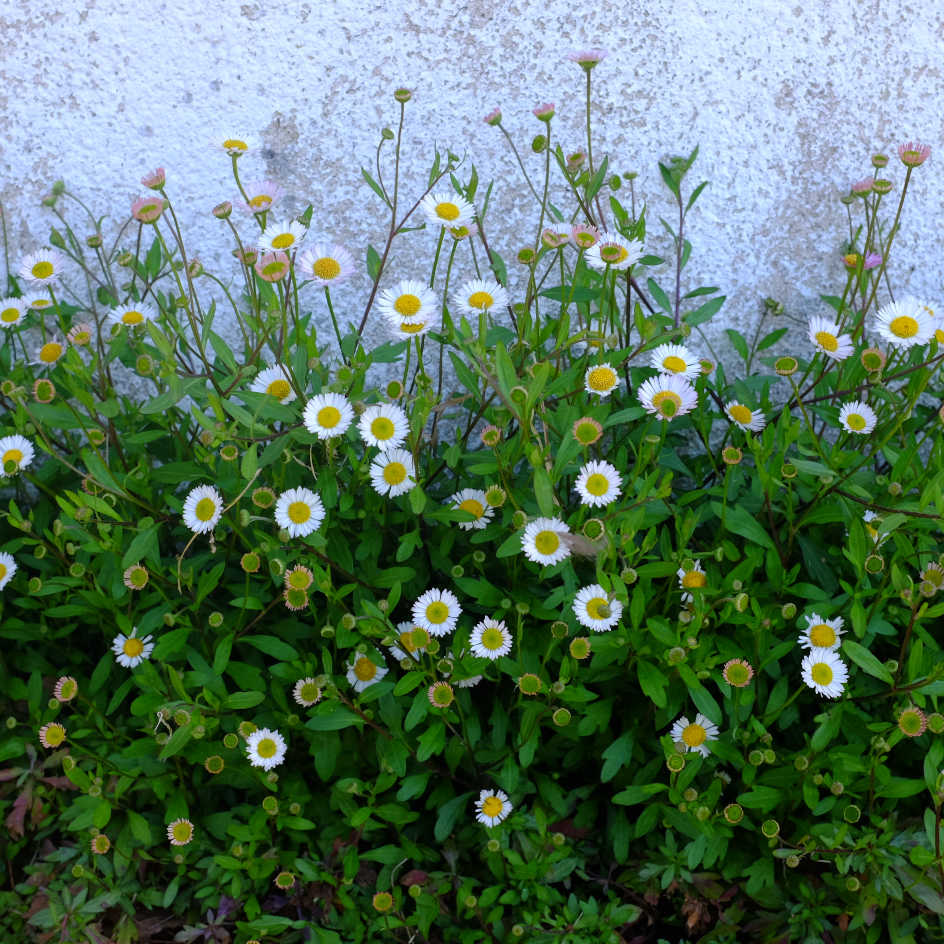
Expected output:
(133, 647)
(939, 335)
(329, 417)
(260, 202)
(132, 317)
(694, 734)
(412, 327)
(586, 433)
(598, 608)
(182, 832)
(447, 211)
(205, 509)
(12, 455)
(407, 305)
(602, 379)
(10, 315)
(547, 542)
(280, 388)
(492, 807)
(234, 144)
(821, 673)
(55, 735)
(382, 428)
(740, 413)
(50, 352)
(694, 579)
(493, 638)
(667, 403)
(855, 421)
(3, 571)
(437, 612)
(299, 512)
(598, 484)
(827, 341)
(266, 748)
(42, 270)
(473, 506)
(904, 326)
(481, 300)
(364, 669)
(737, 674)
(283, 241)
(675, 364)
(326, 268)
(394, 473)
(822, 636)
(41, 303)
(406, 640)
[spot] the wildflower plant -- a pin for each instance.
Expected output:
(511, 545)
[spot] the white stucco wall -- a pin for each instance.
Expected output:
(787, 102)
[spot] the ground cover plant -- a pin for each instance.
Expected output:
(508, 609)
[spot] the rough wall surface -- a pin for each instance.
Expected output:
(787, 103)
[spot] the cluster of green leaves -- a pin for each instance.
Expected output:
(807, 817)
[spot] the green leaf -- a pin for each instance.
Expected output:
(739, 520)
(738, 342)
(634, 795)
(704, 312)
(866, 661)
(617, 755)
(760, 798)
(373, 185)
(448, 814)
(272, 646)
(373, 263)
(240, 700)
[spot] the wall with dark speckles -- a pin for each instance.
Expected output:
(786, 101)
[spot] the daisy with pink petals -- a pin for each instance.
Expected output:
(261, 196)
(913, 154)
(587, 58)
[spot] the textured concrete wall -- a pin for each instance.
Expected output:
(786, 101)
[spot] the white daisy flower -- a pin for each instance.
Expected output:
(479, 295)
(744, 417)
(393, 473)
(131, 314)
(409, 328)
(858, 417)
(667, 396)
(871, 521)
(824, 672)
(543, 541)
(469, 682)
(324, 265)
(327, 415)
(490, 639)
(17, 450)
(825, 337)
(307, 692)
(43, 267)
(600, 379)
(202, 509)
(693, 736)
(904, 324)
(411, 637)
(7, 568)
(234, 145)
(492, 807)
(598, 484)
(447, 208)
(132, 650)
(12, 311)
(274, 381)
(50, 353)
(284, 236)
(265, 748)
(300, 511)
(693, 579)
(364, 672)
(614, 251)
(595, 609)
(472, 500)
(675, 359)
(262, 195)
(383, 425)
(37, 301)
(821, 633)
(409, 300)
(437, 611)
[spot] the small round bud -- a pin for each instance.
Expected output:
(837, 788)
(561, 717)
(734, 813)
(755, 758)
(402, 95)
(526, 256)
(215, 619)
(558, 629)
(792, 861)
(493, 845)
(788, 611)
(770, 828)
(538, 143)
(230, 740)
(879, 160)
(801, 762)
(853, 884)
(675, 763)
(851, 813)
(690, 795)
(387, 134)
